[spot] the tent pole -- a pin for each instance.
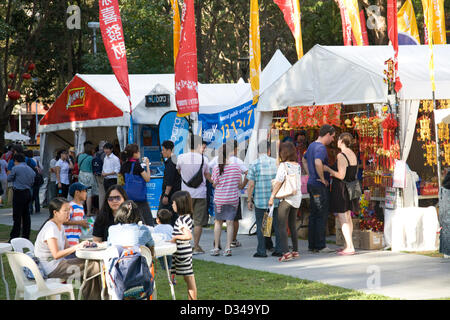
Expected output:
(437, 143)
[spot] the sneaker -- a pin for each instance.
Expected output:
(198, 250)
(258, 255)
(215, 252)
(276, 254)
(235, 244)
(326, 250)
(214, 244)
(227, 253)
(174, 281)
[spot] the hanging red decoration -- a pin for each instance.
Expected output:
(11, 75)
(14, 95)
(26, 76)
(31, 66)
(46, 108)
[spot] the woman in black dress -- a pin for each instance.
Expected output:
(346, 170)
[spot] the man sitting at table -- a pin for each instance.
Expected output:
(52, 249)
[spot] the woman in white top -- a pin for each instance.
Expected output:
(53, 251)
(287, 210)
(62, 166)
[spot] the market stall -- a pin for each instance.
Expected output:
(385, 124)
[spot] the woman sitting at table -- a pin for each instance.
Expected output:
(52, 249)
(114, 197)
(127, 232)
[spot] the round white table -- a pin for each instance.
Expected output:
(4, 247)
(164, 249)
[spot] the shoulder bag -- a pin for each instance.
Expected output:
(353, 187)
(289, 186)
(197, 179)
(135, 186)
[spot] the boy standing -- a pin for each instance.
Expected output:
(76, 218)
(164, 220)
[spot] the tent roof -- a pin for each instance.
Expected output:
(354, 75)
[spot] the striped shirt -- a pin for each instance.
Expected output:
(182, 258)
(262, 171)
(227, 185)
(73, 232)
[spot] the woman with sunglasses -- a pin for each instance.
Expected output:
(114, 197)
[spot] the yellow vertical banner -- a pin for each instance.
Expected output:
(298, 29)
(353, 13)
(430, 43)
(254, 49)
(176, 29)
(406, 20)
(434, 15)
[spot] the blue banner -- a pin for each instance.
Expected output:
(154, 191)
(236, 123)
(175, 129)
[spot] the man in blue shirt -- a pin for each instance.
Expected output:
(318, 188)
(22, 177)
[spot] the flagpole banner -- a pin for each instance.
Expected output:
(406, 21)
(365, 36)
(233, 124)
(255, 49)
(393, 37)
(434, 16)
(114, 42)
(174, 128)
(186, 79)
(291, 13)
(176, 29)
(353, 14)
(430, 39)
(346, 26)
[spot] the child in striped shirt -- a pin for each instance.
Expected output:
(181, 235)
(76, 218)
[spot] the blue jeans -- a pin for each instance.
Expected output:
(319, 199)
(259, 215)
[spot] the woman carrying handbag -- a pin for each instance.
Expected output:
(287, 188)
(136, 175)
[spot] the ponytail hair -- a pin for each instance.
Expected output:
(128, 213)
(54, 205)
(130, 150)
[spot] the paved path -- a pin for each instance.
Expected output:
(392, 274)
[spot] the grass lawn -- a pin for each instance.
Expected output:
(217, 281)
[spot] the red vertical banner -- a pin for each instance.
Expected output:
(362, 18)
(346, 26)
(186, 81)
(114, 41)
(393, 37)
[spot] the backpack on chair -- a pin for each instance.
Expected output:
(129, 276)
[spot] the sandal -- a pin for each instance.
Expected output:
(215, 252)
(227, 253)
(295, 255)
(285, 257)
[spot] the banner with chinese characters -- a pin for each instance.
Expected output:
(176, 29)
(434, 21)
(314, 116)
(186, 81)
(291, 13)
(255, 49)
(114, 41)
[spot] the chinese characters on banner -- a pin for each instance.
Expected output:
(291, 12)
(112, 34)
(186, 82)
(176, 29)
(255, 50)
(434, 16)
(314, 116)
(393, 37)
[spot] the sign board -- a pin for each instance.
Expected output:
(157, 100)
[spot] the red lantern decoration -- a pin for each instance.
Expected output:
(26, 76)
(11, 75)
(14, 95)
(46, 108)
(31, 66)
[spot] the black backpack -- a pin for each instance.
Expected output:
(38, 178)
(97, 165)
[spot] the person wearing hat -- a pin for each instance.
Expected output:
(76, 220)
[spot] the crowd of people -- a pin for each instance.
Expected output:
(111, 187)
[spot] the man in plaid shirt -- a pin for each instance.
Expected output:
(260, 175)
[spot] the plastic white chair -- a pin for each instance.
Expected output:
(19, 244)
(41, 288)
